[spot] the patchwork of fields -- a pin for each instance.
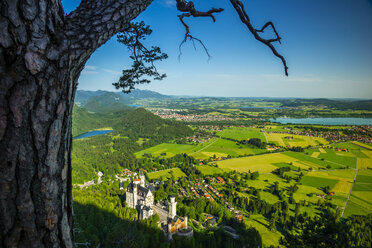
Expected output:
(291, 140)
(329, 168)
(325, 168)
(361, 196)
(269, 135)
(266, 163)
(332, 166)
(217, 147)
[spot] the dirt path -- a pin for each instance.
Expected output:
(356, 173)
(201, 149)
(267, 141)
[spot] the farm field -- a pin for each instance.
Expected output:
(360, 151)
(266, 163)
(168, 149)
(260, 223)
(265, 180)
(366, 162)
(241, 133)
(281, 139)
(333, 161)
(223, 148)
(217, 147)
(367, 146)
(209, 170)
(361, 196)
(166, 174)
(261, 163)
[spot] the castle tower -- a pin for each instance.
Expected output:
(134, 195)
(172, 207)
(142, 177)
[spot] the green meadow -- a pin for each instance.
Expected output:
(291, 140)
(318, 182)
(209, 170)
(215, 147)
(167, 149)
(262, 163)
(166, 174)
(241, 133)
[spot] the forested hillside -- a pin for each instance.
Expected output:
(134, 129)
(142, 123)
(82, 97)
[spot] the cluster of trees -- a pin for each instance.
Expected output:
(296, 149)
(255, 142)
(248, 237)
(328, 230)
(332, 104)
(281, 171)
(140, 123)
(101, 220)
(209, 237)
(102, 153)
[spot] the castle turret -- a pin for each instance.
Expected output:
(142, 178)
(172, 207)
(134, 195)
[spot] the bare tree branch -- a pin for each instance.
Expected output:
(143, 58)
(238, 5)
(189, 9)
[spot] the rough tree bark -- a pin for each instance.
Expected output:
(42, 53)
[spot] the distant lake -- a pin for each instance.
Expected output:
(325, 121)
(134, 105)
(93, 133)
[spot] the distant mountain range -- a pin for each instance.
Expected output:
(82, 96)
(106, 101)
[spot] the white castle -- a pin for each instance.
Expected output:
(140, 197)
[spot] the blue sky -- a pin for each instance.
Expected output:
(327, 44)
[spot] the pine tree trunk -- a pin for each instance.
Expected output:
(42, 53)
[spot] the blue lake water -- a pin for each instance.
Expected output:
(93, 133)
(134, 105)
(325, 121)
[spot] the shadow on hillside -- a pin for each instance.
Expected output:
(95, 227)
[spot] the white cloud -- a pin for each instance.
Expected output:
(89, 70)
(90, 67)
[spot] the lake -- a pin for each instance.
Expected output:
(93, 133)
(325, 121)
(134, 105)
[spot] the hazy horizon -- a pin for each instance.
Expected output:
(194, 96)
